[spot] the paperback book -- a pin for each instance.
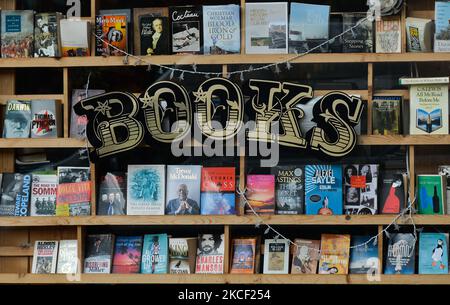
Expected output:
(276, 256)
(361, 189)
(155, 258)
(99, 252)
(335, 252)
(47, 41)
(44, 257)
(244, 255)
(127, 254)
(442, 35)
(187, 29)
(218, 191)
(433, 253)
(17, 119)
(16, 190)
(45, 119)
(183, 189)
(17, 33)
(393, 192)
(43, 195)
(400, 257)
(73, 196)
(112, 194)
(155, 35)
(388, 34)
(112, 30)
(359, 39)
(386, 115)
(306, 256)
(289, 189)
(148, 12)
(129, 25)
(363, 256)
(444, 170)
(221, 29)
(78, 123)
(75, 37)
(431, 194)
(182, 255)
(67, 257)
(419, 34)
(210, 254)
(260, 194)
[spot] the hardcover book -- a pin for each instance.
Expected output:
(388, 34)
(306, 256)
(187, 28)
(148, 12)
(260, 194)
(99, 251)
(393, 192)
(17, 33)
(44, 257)
(433, 253)
(431, 194)
(182, 254)
(17, 122)
(127, 254)
(67, 257)
(47, 41)
(363, 257)
(43, 195)
(335, 250)
(386, 115)
(45, 119)
(323, 190)
(289, 190)
(183, 189)
(444, 170)
(276, 256)
(210, 254)
(75, 37)
(155, 35)
(112, 194)
(15, 194)
(221, 29)
(266, 28)
(360, 38)
(243, 260)
(155, 258)
(400, 257)
(361, 189)
(129, 14)
(73, 196)
(419, 34)
(78, 123)
(113, 31)
(442, 35)
(218, 191)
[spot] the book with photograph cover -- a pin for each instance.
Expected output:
(335, 253)
(155, 256)
(15, 200)
(260, 194)
(112, 194)
(306, 256)
(155, 35)
(221, 29)
(73, 196)
(78, 123)
(431, 194)
(243, 259)
(183, 189)
(393, 192)
(114, 32)
(210, 254)
(182, 255)
(67, 256)
(149, 12)
(17, 119)
(186, 29)
(47, 41)
(361, 189)
(99, 252)
(433, 253)
(386, 115)
(289, 189)
(17, 33)
(218, 191)
(360, 38)
(363, 256)
(44, 257)
(46, 119)
(127, 254)
(129, 25)
(400, 258)
(43, 195)
(276, 256)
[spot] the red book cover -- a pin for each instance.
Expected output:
(218, 179)
(261, 194)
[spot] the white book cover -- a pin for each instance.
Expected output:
(276, 256)
(146, 189)
(266, 28)
(67, 257)
(75, 35)
(44, 258)
(419, 34)
(43, 195)
(442, 35)
(388, 35)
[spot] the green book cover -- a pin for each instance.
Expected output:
(430, 194)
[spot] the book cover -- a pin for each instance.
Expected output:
(260, 194)
(323, 190)
(400, 258)
(308, 27)
(17, 33)
(243, 259)
(363, 257)
(266, 28)
(442, 35)
(360, 38)
(182, 255)
(444, 170)
(16, 190)
(306, 256)
(276, 256)
(393, 192)
(137, 14)
(129, 14)
(419, 34)
(99, 252)
(221, 29)
(17, 119)
(210, 254)
(155, 258)
(186, 29)
(127, 254)
(386, 115)
(67, 257)
(433, 253)
(361, 189)
(47, 35)
(218, 191)
(78, 123)
(183, 189)
(335, 253)
(155, 35)
(43, 195)
(431, 194)
(388, 34)
(113, 33)
(112, 194)
(45, 119)
(75, 37)
(73, 196)
(146, 190)
(289, 189)
(44, 257)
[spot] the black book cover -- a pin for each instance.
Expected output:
(187, 29)
(15, 199)
(289, 189)
(335, 45)
(393, 192)
(99, 251)
(112, 194)
(155, 35)
(360, 38)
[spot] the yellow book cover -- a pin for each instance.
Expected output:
(114, 30)
(335, 254)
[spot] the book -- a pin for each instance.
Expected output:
(419, 34)
(186, 26)
(308, 27)
(243, 259)
(433, 253)
(145, 190)
(360, 38)
(363, 257)
(218, 191)
(276, 256)
(388, 34)
(442, 34)
(306, 256)
(114, 32)
(17, 119)
(46, 119)
(400, 258)
(78, 123)
(361, 189)
(155, 256)
(47, 42)
(15, 199)
(75, 37)
(386, 115)
(137, 14)
(183, 189)
(335, 250)
(112, 194)
(99, 251)
(73, 196)
(266, 28)
(43, 195)
(16, 33)
(431, 194)
(155, 35)
(221, 29)
(129, 14)
(260, 194)
(289, 189)
(127, 254)
(323, 190)
(393, 192)
(44, 257)
(182, 255)
(444, 170)
(210, 254)
(67, 257)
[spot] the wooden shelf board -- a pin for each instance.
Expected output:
(42, 143)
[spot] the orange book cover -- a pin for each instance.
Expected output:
(114, 31)
(243, 255)
(335, 252)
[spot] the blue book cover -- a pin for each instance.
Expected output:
(442, 17)
(155, 254)
(363, 259)
(400, 256)
(217, 203)
(221, 29)
(323, 189)
(433, 253)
